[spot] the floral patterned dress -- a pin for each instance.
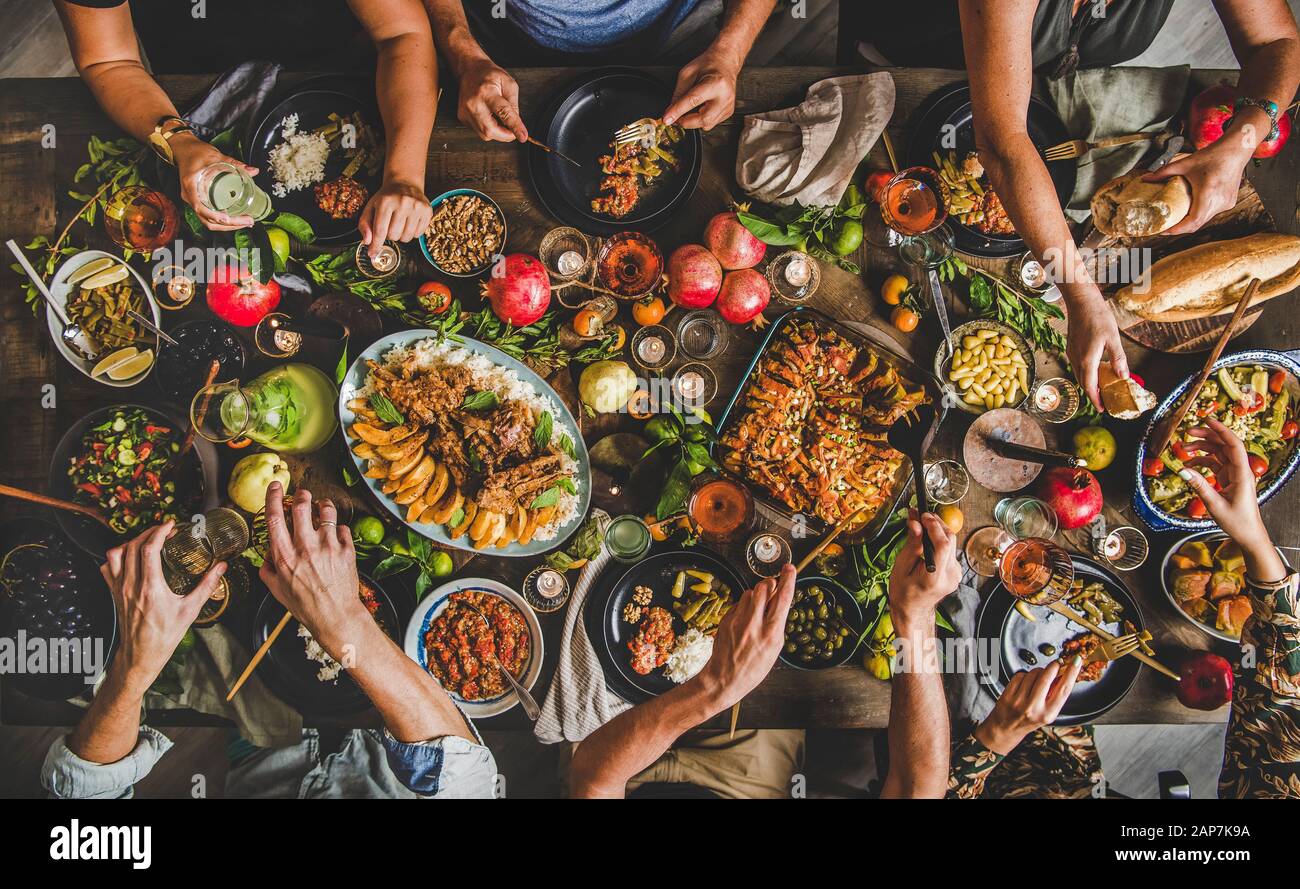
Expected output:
(1261, 755)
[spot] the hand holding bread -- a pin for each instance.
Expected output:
(1131, 207)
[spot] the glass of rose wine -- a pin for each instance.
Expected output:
(914, 204)
(1036, 570)
(140, 218)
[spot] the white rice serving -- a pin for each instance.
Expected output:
(299, 160)
(508, 386)
(330, 668)
(689, 655)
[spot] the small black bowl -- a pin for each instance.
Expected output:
(185, 367)
(852, 618)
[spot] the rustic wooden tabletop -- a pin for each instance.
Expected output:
(35, 176)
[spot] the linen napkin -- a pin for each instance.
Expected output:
(969, 700)
(809, 153)
(1099, 102)
(578, 701)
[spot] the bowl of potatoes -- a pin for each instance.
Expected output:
(989, 366)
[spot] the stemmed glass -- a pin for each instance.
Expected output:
(1036, 570)
(915, 204)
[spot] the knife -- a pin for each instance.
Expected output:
(1046, 456)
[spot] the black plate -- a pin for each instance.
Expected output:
(288, 672)
(200, 464)
(313, 107)
(90, 599)
(951, 107)
(580, 123)
(609, 633)
(999, 620)
(852, 617)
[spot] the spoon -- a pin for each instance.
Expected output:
(912, 435)
(531, 710)
(78, 340)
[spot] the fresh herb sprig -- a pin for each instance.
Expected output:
(821, 232)
(691, 442)
(990, 297)
(385, 409)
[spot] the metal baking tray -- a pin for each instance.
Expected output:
(866, 341)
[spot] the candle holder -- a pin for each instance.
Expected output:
(546, 589)
(766, 553)
(695, 385)
(384, 265)
(654, 347)
(702, 334)
(1054, 401)
(566, 253)
(273, 339)
(1124, 548)
(234, 583)
(794, 276)
(172, 288)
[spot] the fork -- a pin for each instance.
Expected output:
(642, 131)
(1114, 649)
(1079, 147)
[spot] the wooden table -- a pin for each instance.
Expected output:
(33, 201)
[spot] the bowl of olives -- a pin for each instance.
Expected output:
(824, 625)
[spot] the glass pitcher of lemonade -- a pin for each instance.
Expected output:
(290, 409)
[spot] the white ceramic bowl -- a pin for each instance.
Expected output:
(1211, 536)
(435, 602)
(60, 289)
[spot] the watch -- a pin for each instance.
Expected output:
(160, 138)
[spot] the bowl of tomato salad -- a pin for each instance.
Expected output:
(127, 462)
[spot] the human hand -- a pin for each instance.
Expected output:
(914, 592)
(312, 571)
(399, 212)
(151, 619)
(489, 103)
(749, 639)
(1231, 499)
(192, 156)
(1031, 700)
(1092, 337)
(1214, 174)
(705, 94)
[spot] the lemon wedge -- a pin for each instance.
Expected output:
(107, 277)
(116, 357)
(95, 266)
(131, 367)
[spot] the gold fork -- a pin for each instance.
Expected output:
(642, 130)
(1079, 147)
(1114, 649)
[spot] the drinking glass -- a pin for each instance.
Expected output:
(1036, 570)
(946, 481)
(702, 334)
(984, 549)
(218, 536)
(915, 204)
(139, 218)
(627, 538)
(1025, 517)
(225, 188)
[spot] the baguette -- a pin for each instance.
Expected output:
(1123, 398)
(1128, 207)
(1209, 279)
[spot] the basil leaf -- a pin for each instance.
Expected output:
(480, 401)
(566, 445)
(567, 484)
(542, 434)
(549, 497)
(456, 517)
(386, 410)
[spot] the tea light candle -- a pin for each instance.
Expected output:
(1033, 274)
(287, 341)
(690, 385)
(1047, 398)
(386, 259)
(570, 262)
(549, 584)
(766, 548)
(180, 289)
(651, 350)
(798, 272)
(1113, 546)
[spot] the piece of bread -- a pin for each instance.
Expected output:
(1123, 398)
(1128, 207)
(1210, 279)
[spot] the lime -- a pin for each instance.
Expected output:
(441, 564)
(847, 238)
(396, 545)
(279, 239)
(661, 428)
(369, 530)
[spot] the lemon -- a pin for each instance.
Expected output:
(93, 267)
(131, 367)
(279, 239)
(117, 356)
(103, 279)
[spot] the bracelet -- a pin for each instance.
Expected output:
(1268, 106)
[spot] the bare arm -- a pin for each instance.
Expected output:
(488, 98)
(746, 646)
(918, 712)
(996, 36)
(313, 572)
(406, 82)
(706, 88)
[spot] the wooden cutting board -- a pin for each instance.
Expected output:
(1199, 335)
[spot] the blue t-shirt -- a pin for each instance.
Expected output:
(584, 26)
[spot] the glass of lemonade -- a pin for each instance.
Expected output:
(227, 189)
(627, 538)
(290, 409)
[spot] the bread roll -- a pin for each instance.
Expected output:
(1128, 207)
(1210, 278)
(1123, 398)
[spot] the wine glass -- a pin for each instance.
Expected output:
(915, 204)
(1036, 570)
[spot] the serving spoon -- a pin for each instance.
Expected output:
(78, 340)
(531, 710)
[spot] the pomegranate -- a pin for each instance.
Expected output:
(236, 296)
(745, 294)
(694, 277)
(1073, 494)
(519, 290)
(1205, 681)
(733, 244)
(1211, 111)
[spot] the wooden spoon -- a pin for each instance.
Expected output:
(69, 506)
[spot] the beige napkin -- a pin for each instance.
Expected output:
(809, 153)
(205, 674)
(578, 701)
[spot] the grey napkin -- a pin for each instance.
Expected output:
(1099, 102)
(809, 153)
(969, 700)
(578, 701)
